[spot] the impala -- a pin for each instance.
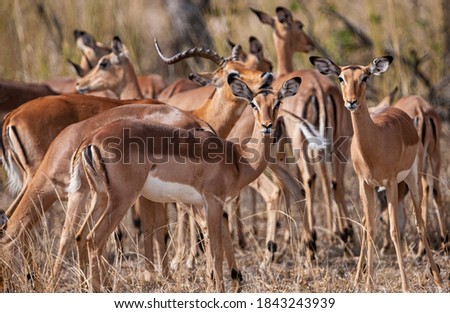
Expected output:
(428, 126)
(51, 177)
(202, 181)
(150, 84)
(91, 51)
(14, 93)
(25, 141)
(320, 102)
(384, 152)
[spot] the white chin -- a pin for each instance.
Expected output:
(350, 107)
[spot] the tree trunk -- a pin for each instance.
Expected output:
(189, 30)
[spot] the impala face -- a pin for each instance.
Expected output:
(92, 52)
(287, 29)
(353, 78)
(266, 102)
(108, 72)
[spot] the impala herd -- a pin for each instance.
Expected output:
(136, 142)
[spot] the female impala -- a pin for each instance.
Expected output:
(384, 152)
(189, 173)
(428, 124)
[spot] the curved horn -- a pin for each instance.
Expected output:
(193, 52)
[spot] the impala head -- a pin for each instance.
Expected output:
(255, 59)
(227, 67)
(287, 30)
(110, 71)
(353, 78)
(265, 102)
(91, 49)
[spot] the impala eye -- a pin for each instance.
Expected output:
(277, 105)
(364, 79)
(341, 80)
(253, 105)
(103, 64)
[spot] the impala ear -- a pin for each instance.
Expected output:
(118, 48)
(256, 47)
(284, 15)
(290, 87)
(380, 65)
(267, 79)
(239, 88)
(325, 66)
(230, 43)
(76, 68)
(264, 17)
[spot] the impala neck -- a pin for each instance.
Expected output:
(363, 127)
(253, 157)
(130, 90)
(220, 112)
(284, 55)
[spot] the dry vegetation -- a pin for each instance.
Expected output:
(36, 39)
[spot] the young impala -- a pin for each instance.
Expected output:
(385, 150)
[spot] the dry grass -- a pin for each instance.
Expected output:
(33, 51)
(330, 272)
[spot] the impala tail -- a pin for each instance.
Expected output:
(88, 161)
(316, 140)
(14, 158)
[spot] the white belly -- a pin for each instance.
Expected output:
(162, 191)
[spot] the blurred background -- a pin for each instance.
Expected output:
(36, 37)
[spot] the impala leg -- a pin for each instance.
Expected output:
(326, 192)
(154, 219)
(415, 189)
(236, 276)
(347, 234)
(441, 217)
(96, 240)
(144, 208)
(193, 239)
(97, 206)
(182, 220)
(160, 235)
(367, 197)
(424, 210)
(392, 199)
(71, 222)
(214, 228)
(435, 165)
(235, 211)
(362, 254)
